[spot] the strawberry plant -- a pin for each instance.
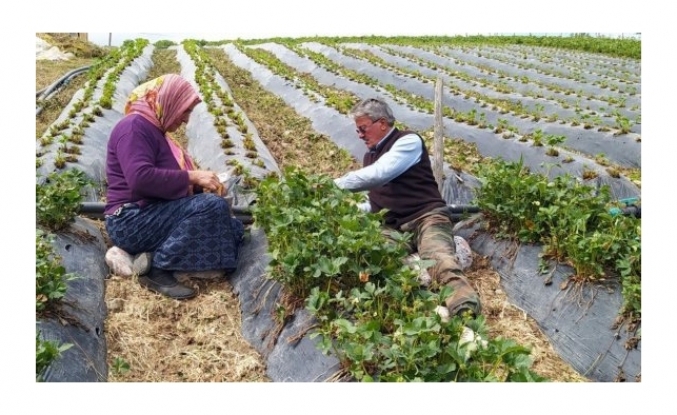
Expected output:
(50, 275)
(623, 124)
(50, 287)
(45, 353)
(372, 312)
(120, 366)
(58, 199)
(303, 239)
(571, 219)
(553, 141)
(538, 137)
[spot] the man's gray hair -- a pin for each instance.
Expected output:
(373, 108)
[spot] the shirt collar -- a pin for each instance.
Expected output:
(383, 139)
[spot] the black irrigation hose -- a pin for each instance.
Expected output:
(460, 209)
(632, 210)
(98, 207)
(44, 93)
(95, 210)
(58, 83)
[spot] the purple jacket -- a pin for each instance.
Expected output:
(140, 166)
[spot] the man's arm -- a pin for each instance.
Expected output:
(404, 153)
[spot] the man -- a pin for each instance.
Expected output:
(397, 173)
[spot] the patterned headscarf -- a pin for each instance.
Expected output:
(162, 101)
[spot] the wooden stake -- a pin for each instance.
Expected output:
(438, 151)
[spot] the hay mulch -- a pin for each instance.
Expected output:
(506, 320)
(166, 340)
(200, 340)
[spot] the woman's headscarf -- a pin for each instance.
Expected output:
(162, 101)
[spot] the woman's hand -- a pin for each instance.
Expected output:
(208, 180)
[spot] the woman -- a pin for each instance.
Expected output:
(156, 201)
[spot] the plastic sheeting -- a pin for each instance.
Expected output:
(81, 321)
(340, 128)
(290, 356)
(552, 101)
(82, 246)
(204, 142)
(324, 119)
(579, 322)
(517, 69)
(93, 149)
(624, 150)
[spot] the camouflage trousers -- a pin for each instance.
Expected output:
(433, 239)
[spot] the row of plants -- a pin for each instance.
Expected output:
(70, 131)
(587, 116)
(412, 101)
(537, 137)
(440, 47)
(573, 221)
(338, 99)
(501, 105)
(629, 48)
(222, 107)
(57, 202)
(572, 70)
(457, 153)
(540, 138)
(619, 47)
(578, 77)
(620, 71)
(471, 117)
(59, 193)
(371, 311)
(287, 134)
(500, 86)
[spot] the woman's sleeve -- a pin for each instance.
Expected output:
(137, 152)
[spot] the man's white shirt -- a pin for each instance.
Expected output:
(402, 155)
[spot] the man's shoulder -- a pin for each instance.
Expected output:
(407, 132)
(409, 135)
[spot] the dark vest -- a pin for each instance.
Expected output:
(409, 195)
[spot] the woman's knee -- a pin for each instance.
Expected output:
(211, 203)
